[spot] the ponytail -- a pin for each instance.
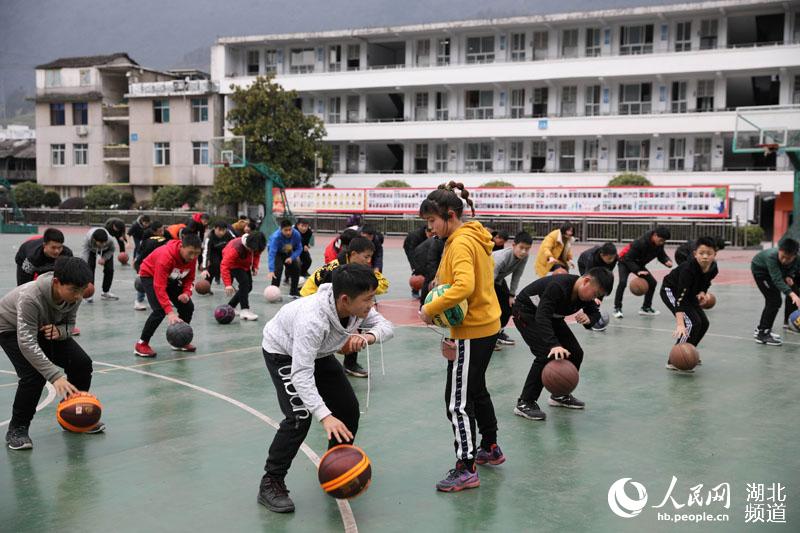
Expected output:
(447, 197)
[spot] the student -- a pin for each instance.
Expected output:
(35, 321)
(410, 243)
(428, 255)
(604, 256)
(198, 224)
(308, 379)
(285, 247)
(684, 251)
(539, 313)
(240, 260)
(338, 243)
(153, 238)
(773, 270)
(303, 226)
(468, 268)
(98, 248)
(359, 251)
(116, 228)
(174, 231)
(685, 289)
(377, 239)
(218, 237)
(555, 253)
(136, 231)
(634, 259)
(243, 226)
(37, 255)
(167, 275)
(509, 261)
(499, 238)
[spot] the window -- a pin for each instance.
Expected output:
(352, 108)
(58, 154)
(353, 56)
(592, 104)
(199, 153)
(270, 61)
(421, 158)
(161, 111)
(566, 156)
(538, 155)
(443, 52)
(479, 157)
(569, 43)
(441, 154)
(302, 60)
(253, 59)
(705, 95)
(57, 114)
(517, 103)
(352, 159)
(479, 105)
(86, 76)
(441, 106)
(636, 40)
(708, 34)
(423, 58)
(421, 106)
(702, 154)
(480, 49)
(679, 97)
(161, 154)
(569, 101)
(539, 45)
(52, 78)
(334, 58)
(635, 99)
(515, 157)
(80, 113)
(335, 110)
(80, 154)
(590, 149)
(633, 155)
(517, 47)
(199, 109)
(336, 156)
(539, 102)
(593, 42)
(683, 36)
(796, 90)
(677, 153)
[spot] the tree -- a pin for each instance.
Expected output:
(51, 199)
(393, 184)
(628, 180)
(101, 197)
(168, 197)
(278, 134)
(29, 194)
(497, 183)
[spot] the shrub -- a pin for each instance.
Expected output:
(126, 200)
(497, 183)
(29, 194)
(753, 235)
(629, 180)
(101, 197)
(73, 203)
(51, 199)
(394, 184)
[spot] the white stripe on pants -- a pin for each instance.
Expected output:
(458, 401)
(686, 320)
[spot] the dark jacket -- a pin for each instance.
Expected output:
(32, 261)
(642, 251)
(148, 246)
(591, 259)
(212, 248)
(305, 237)
(412, 240)
(687, 280)
(377, 257)
(427, 257)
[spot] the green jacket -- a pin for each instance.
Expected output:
(766, 263)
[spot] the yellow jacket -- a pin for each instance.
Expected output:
(468, 267)
(323, 275)
(553, 246)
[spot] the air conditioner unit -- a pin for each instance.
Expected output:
(82, 131)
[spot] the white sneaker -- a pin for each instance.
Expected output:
(89, 300)
(139, 306)
(618, 313)
(246, 314)
(109, 296)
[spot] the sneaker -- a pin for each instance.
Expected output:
(766, 337)
(89, 300)
(355, 370)
(142, 349)
(109, 296)
(274, 495)
(774, 335)
(648, 311)
(139, 306)
(415, 294)
(600, 326)
(294, 296)
(17, 438)
(247, 314)
(459, 478)
(188, 348)
(493, 456)
(99, 428)
(674, 368)
(569, 401)
(505, 339)
(497, 347)
(618, 313)
(530, 410)
(75, 331)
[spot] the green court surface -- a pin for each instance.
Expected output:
(187, 434)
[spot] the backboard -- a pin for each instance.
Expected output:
(227, 152)
(767, 128)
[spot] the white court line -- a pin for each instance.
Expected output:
(51, 394)
(707, 334)
(345, 511)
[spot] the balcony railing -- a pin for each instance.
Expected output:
(172, 87)
(116, 151)
(115, 111)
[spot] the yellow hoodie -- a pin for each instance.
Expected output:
(467, 265)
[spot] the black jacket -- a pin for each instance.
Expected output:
(641, 252)
(427, 257)
(591, 259)
(412, 240)
(305, 237)
(684, 251)
(212, 248)
(31, 258)
(149, 244)
(686, 280)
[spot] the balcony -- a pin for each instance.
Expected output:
(172, 88)
(116, 112)
(116, 153)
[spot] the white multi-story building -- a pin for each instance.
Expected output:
(560, 99)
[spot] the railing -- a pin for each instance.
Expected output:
(18, 175)
(115, 111)
(116, 152)
(173, 87)
(611, 171)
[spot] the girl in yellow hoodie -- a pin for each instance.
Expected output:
(555, 252)
(467, 266)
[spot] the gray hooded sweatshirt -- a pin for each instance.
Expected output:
(29, 307)
(106, 250)
(309, 329)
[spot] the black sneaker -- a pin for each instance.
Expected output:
(17, 438)
(415, 294)
(766, 337)
(529, 410)
(774, 335)
(569, 401)
(355, 370)
(648, 311)
(274, 495)
(505, 339)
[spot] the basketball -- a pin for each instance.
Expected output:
(794, 321)
(137, 284)
(179, 334)
(202, 286)
(344, 471)
(416, 282)
(123, 258)
(88, 292)
(711, 301)
(639, 286)
(79, 413)
(684, 356)
(272, 294)
(560, 377)
(448, 318)
(224, 314)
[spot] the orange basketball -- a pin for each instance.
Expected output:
(79, 413)
(560, 377)
(639, 286)
(416, 282)
(123, 258)
(344, 471)
(684, 356)
(202, 286)
(711, 301)
(88, 292)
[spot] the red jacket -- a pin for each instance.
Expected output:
(164, 264)
(332, 250)
(236, 255)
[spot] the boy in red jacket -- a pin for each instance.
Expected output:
(167, 275)
(240, 260)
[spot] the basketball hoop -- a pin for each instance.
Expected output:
(225, 164)
(769, 148)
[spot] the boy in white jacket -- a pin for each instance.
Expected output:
(298, 345)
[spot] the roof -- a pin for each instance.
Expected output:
(56, 96)
(86, 61)
(18, 148)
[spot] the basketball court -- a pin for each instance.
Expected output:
(187, 434)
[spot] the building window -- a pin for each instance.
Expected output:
(590, 149)
(569, 101)
(515, 157)
(80, 154)
(85, 76)
(420, 158)
(441, 106)
(708, 34)
(479, 157)
(423, 56)
(336, 155)
(199, 109)
(593, 42)
(569, 43)
(635, 99)
(302, 60)
(352, 108)
(633, 155)
(796, 90)
(683, 36)
(636, 40)
(479, 105)
(353, 153)
(677, 153)
(705, 95)
(353, 56)
(335, 110)
(539, 43)
(679, 97)
(52, 78)
(253, 58)
(517, 47)
(441, 155)
(270, 61)
(517, 103)
(80, 113)
(161, 154)
(161, 111)
(421, 106)
(538, 155)
(480, 49)
(443, 52)
(57, 117)
(335, 58)
(566, 156)
(702, 154)
(539, 102)
(199, 153)
(592, 104)
(58, 155)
